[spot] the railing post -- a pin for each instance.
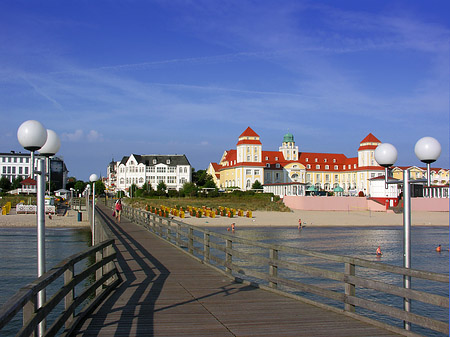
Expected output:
(349, 287)
(206, 247)
(228, 256)
(169, 231)
(273, 269)
(68, 300)
(99, 271)
(191, 241)
(178, 235)
(28, 311)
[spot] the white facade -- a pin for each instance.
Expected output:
(173, 170)
(16, 164)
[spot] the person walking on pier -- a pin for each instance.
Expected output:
(118, 209)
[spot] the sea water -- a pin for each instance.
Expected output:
(18, 258)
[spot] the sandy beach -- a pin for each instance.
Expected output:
(29, 220)
(260, 218)
(324, 218)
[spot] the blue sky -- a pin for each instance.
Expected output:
(187, 77)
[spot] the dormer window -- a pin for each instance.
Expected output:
(277, 165)
(168, 161)
(154, 161)
(268, 165)
(307, 160)
(325, 160)
(334, 160)
(267, 158)
(276, 158)
(315, 159)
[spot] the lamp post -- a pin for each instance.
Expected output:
(428, 150)
(50, 148)
(33, 136)
(93, 178)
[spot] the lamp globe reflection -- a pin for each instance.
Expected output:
(427, 149)
(52, 145)
(386, 154)
(32, 135)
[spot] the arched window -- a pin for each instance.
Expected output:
(248, 183)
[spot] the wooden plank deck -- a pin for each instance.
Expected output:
(167, 293)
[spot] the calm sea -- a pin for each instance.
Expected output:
(362, 242)
(18, 258)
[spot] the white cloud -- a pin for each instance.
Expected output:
(79, 136)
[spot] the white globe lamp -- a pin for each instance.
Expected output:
(386, 154)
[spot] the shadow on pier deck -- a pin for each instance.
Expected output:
(167, 293)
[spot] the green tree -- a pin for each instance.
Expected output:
(17, 183)
(79, 186)
(99, 187)
(257, 185)
(161, 188)
(132, 190)
(188, 190)
(71, 183)
(5, 184)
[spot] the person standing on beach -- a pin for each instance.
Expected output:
(118, 209)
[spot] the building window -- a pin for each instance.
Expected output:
(161, 169)
(267, 158)
(154, 161)
(268, 165)
(256, 173)
(327, 167)
(335, 167)
(307, 160)
(277, 165)
(315, 159)
(334, 160)
(276, 158)
(168, 161)
(172, 169)
(318, 167)
(248, 172)
(308, 166)
(171, 180)
(325, 160)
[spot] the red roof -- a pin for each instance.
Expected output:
(370, 138)
(249, 133)
(28, 181)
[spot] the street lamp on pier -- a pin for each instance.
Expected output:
(33, 136)
(428, 150)
(93, 178)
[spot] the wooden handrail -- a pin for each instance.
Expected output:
(218, 250)
(26, 297)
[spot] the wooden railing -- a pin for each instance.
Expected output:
(338, 283)
(97, 268)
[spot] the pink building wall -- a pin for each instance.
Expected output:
(359, 204)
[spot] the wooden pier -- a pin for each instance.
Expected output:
(165, 292)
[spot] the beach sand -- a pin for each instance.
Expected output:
(260, 218)
(323, 218)
(29, 220)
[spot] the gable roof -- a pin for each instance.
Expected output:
(370, 138)
(249, 133)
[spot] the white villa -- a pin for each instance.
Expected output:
(173, 170)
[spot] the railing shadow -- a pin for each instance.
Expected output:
(135, 307)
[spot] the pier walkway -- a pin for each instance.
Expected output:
(165, 292)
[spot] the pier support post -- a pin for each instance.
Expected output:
(206, 248)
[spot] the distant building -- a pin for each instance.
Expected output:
(173, 170)
(289, 171)
(16, 164)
